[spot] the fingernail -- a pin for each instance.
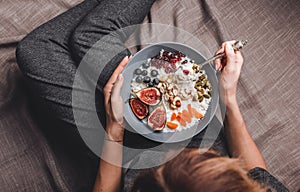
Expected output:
(216, 67)
(120, 77)
(130, 57)
(229, 46)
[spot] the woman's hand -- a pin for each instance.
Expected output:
(231, 68)
(114, 104)
(239, 141)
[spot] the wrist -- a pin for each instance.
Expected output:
(114, 132)
(230, 99)
(109, 139)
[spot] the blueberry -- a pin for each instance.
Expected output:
(139, 79)
(155, 81)
(150, 84)
(144, 72)
(154, 73)
(146, 65)
(138, 71)
(146, 79)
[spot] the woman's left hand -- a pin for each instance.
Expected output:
(114, 104)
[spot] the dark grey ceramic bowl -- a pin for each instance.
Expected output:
(141, 127)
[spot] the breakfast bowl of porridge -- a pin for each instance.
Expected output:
(167, 96)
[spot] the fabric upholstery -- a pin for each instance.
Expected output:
(268, 91)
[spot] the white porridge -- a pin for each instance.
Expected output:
(184, 90)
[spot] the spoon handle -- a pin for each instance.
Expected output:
(238, 45)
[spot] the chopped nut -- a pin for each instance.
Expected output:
(175, 92)
(172, 106)
(171, 99)
(167, 97)
(162, 90)
(170, 87)
(159, 85)
(163, 78)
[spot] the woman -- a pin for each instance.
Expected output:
(49, 57)
(195, 170)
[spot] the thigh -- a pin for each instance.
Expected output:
(107, 17)
(44, 57)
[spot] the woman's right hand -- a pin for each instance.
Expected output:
(230, 67)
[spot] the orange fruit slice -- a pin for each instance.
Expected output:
(196, 113)
(190, 109)
(186, 116)
(173, 117)
(180, 119)
(199, 115)
(172, 125)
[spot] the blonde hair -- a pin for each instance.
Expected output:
(193, 170)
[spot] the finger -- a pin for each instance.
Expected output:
(229, 52)
(218, 64)
(116, 90)
(231, 42)
(222, 47)
(108, 87)
(116, 100)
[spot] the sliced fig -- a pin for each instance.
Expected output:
(157, 118)
(150, 96)
(139, 109)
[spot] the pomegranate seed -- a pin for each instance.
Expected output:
(186, 72)
(173, 60)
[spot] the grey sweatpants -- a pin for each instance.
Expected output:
(49, 57)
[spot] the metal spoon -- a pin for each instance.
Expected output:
(236, 46)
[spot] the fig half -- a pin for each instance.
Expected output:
(157, 118)
(149, 96)
(139, 109)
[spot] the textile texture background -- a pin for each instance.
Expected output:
(268, 90)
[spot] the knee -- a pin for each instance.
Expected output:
(76, 42)
(24, 54)
(90, 31)
(35, 52)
